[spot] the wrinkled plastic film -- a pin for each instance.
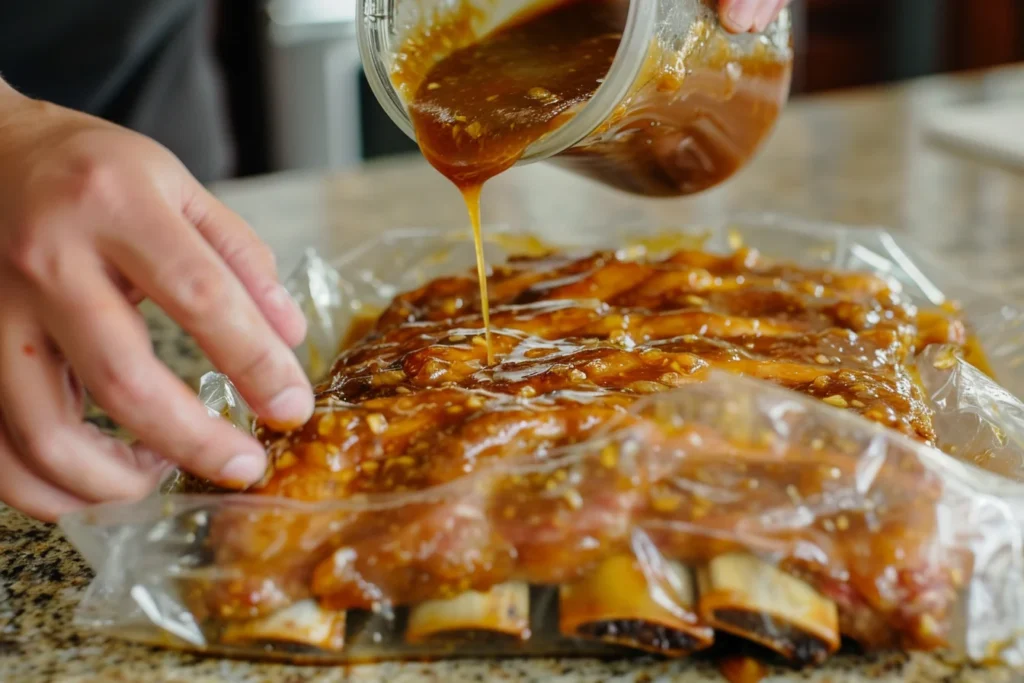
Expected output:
(738, 424)
(327, 300)
(159, 562)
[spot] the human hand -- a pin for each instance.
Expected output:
(93, 218)
(742, 16)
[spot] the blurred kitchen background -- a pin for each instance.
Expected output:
(299, 100)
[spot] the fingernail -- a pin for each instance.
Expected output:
(294, 405)
(741, 15)
(243, 470)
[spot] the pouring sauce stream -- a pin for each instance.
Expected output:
(476, 111)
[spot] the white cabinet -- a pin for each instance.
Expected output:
(314, 82)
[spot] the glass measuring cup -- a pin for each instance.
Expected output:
(684, 105)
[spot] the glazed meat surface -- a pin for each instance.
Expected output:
(412, 409)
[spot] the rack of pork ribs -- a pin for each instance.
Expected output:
(412, 408)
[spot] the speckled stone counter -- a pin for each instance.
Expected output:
(858, 158)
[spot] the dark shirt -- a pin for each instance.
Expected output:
(145, 64)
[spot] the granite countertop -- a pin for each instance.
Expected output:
(860, 157)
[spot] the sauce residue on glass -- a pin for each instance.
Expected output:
(692, 121)
(477, 110)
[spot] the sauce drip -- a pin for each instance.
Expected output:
(472, 197)
(476, 111)
(697, 111)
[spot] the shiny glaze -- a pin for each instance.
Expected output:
(477, 110)
(688, 123)
(415, 406)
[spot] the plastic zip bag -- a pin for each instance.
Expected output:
(155, 560)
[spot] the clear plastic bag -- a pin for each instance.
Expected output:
(729, 506)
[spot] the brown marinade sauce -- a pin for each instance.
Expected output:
(477, 110)
(681, 130)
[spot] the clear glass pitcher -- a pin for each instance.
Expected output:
(684, 105)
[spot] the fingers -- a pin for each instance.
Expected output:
(742, 16)
(42, 415)
(24, 490)
(738, 15)
(104, 339)
(767, 13)
(176, 268)
(250, 259)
